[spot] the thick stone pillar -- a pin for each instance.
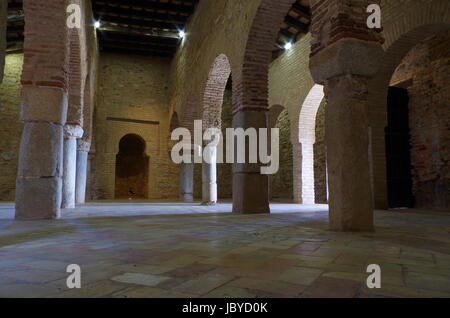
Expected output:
(209, 178)
(187, 182)
(250, 187)
(39, 178)
(82, 171)
(345, 68)
(71, 134)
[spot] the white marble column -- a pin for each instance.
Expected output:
(71, 134)
(209, 177)
(82, 171)
(187, 182)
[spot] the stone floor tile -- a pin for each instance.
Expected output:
(300, 275)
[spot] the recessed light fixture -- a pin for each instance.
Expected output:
(97, 24)
(181, 34)
(288, 46)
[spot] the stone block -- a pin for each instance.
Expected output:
(250, 193)
(38, 198)
(45, 104)
(41, 150)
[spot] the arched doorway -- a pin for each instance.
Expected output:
(131, 169)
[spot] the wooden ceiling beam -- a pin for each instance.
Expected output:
(102, 11)
(149, 5)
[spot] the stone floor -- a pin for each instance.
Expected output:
(132, 250)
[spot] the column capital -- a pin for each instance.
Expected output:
(73, 131)
(83, 145)
(347, 56)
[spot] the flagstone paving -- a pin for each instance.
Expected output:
(225, 255)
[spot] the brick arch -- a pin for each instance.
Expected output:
(214, 91)
(304, 181)
(417, 25)
(308, 112)
(250, 83)
(174, 122)
(189, 113)
(274, 112)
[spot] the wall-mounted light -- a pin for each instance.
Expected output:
(288, 46)
(181, 34)
(97, 24)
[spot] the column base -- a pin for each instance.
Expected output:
(250, 193)
(38, 198)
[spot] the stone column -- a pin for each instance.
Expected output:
(209, 178)
(82, 171)
(71, 134)
(250, 187)
(187, 182)
(345, 68)
(39, 178)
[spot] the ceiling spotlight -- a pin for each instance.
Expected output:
(181, 34)
(288, 46)
(97, 24)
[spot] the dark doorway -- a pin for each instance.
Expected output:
(131, 169)
(398, 156)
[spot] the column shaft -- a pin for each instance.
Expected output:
(209, 178)
(81, 178)
(39, 184)
(187, 182)
(250, 187)
(351, 205)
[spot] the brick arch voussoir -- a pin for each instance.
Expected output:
(250, 87)
(214, 91)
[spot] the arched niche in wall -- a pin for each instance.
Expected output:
(132, 169)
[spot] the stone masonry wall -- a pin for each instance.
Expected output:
(133, 99)
(10, 125)
(427, 66)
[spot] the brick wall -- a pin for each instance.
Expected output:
(10, 126)
(133, 88)
(427, 66)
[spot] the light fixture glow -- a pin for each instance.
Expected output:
(288, 46)
(181, 34)
(97, 24)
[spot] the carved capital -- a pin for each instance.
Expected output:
(73, 131)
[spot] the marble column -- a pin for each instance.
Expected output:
(71, 134)
(82, 171)
(39, 178)
(187, 182)
(250, 187)
(209, 177)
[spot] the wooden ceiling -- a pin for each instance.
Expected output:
(147, 27)
(295, 26)
(151, 27)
